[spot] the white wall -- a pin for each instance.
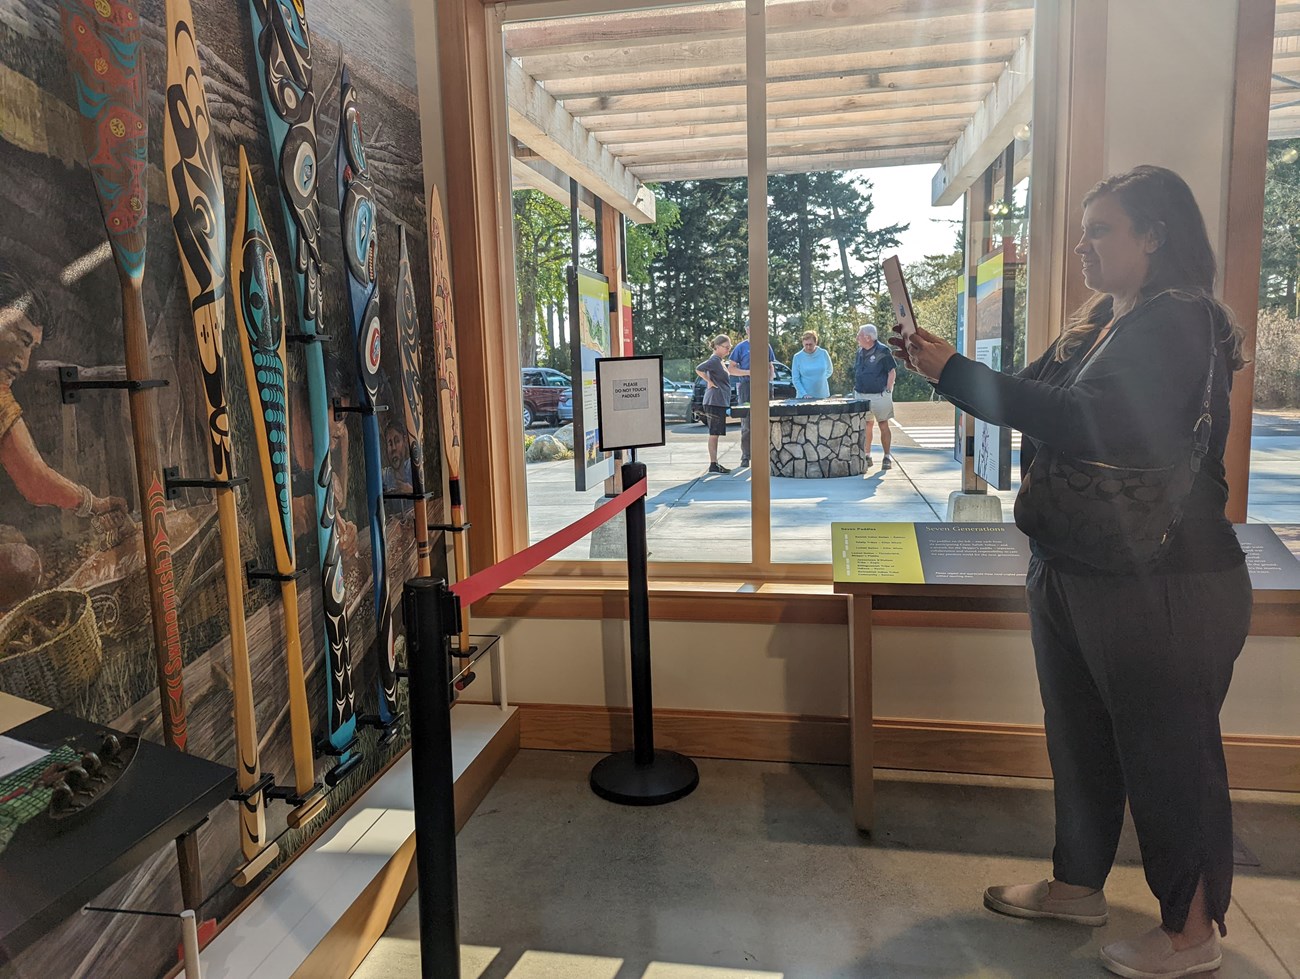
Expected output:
(943, 674)
(1170, 80)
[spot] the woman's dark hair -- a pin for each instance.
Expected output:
(17, 292)
(1159, 202)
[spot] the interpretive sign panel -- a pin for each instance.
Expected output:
(994, 302)
(998, 554)
(630, 402)
(929, 553)
(589, 340)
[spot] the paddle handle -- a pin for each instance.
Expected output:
(157, 543)
(304, 765)
(248, 770)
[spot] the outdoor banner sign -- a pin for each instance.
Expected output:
(959, 416)
(588, 343)
(625, 314)
(630, 402)
(998, 554)
(993, 343)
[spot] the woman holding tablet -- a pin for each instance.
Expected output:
(1126, 416)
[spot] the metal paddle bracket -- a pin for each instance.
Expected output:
(387, 731)
(71, 385)
(256, 574)
(341, 409)
(306, 337)
(173, 482)
(410, 496)
(260, 787)
(341, 769)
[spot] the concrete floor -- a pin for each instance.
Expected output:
(760, 875)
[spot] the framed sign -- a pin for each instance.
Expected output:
(630, 402)
(589, 341)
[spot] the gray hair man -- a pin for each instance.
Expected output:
(874, 374)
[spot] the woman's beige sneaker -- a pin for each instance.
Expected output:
(1035, 901)
(1152, 956)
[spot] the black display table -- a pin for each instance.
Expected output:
(48, 875)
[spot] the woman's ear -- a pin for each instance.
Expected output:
(1155, 237)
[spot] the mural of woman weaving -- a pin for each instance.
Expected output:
(24, 314)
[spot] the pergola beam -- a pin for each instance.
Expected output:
(572, 35)
(541, 123)
(903, 42)
(537, 174)
(871, 107)
(869, 83)
(806, 163)
(953, 115)
(990, 130)
(815, 140)
(922, 60)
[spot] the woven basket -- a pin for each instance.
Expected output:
(49, 648)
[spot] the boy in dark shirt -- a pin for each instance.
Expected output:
(717, 396)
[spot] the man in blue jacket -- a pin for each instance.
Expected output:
(740, 377)
(874, 373)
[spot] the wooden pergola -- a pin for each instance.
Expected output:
(621, 100)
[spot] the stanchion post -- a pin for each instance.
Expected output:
(642, 776)
(430, 620)
(638, 621)
(190, 944)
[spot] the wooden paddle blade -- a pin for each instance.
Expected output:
(285, 59)
(357, 218)
(282, 44)
(260, 316)
(444, 341)
(198, 208)
(106, 60)
(408, 343)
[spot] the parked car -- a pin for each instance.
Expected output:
(781, 388)
(565, 409)
(543, 388)
(677, 399)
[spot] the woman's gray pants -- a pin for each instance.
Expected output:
(1133, 671)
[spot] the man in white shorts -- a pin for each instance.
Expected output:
(874, 374)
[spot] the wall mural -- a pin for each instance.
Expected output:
(102, 140)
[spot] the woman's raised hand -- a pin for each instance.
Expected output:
(928, 354)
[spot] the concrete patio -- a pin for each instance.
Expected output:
(693, 516)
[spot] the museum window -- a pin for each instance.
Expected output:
(780, 520)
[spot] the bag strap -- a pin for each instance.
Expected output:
(1204, 422)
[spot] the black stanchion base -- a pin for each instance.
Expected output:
(618, 778)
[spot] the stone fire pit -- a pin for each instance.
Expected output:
(815, 439)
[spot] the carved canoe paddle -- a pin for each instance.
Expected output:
(106, 61)
(198, 208)
(357, 214)
(444, 346)
(260, 314)
(282, 45)
(408, 343)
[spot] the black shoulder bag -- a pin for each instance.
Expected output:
(1117, 519)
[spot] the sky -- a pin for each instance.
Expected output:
(902, 196)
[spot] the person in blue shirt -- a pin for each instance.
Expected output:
(740, 377)
(811, 368)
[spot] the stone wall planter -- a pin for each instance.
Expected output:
(817, 439)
